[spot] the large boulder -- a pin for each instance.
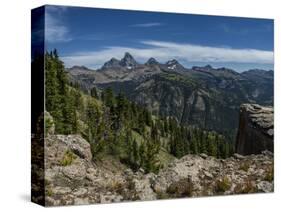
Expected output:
(256, 129)
(67, 159)
(58, 145)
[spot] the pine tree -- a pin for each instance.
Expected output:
(212, 147)
(135, 155)
(91, 114)
(57, 94)
(147, 117)
(94, 93)
(109, 98)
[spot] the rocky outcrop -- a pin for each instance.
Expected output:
(195, 176)
(256, 129)
(72, 177)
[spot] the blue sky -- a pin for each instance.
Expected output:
(90, 37)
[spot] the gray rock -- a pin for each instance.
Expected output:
(128, 172)
(75, 171)
(49, 201)
(238, 156)
(77, 144)
(267, 153)
(208, 175)
(80, 192)
(56, 147)
(108, 198)
(265, 186)
(203, 155)
(143, 190)
(255, 133)
(141, 171)
(61, 190)
(84, 182)
(81, 201)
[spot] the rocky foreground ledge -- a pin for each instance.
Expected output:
(71, 177)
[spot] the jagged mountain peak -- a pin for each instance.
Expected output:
(174, 65)
(208, 66)
(114, 60)
(79, 67)
(112, 63)
(128, 61)
(151, 61)
(172, 62)
(128, 55)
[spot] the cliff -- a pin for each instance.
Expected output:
(256, 129)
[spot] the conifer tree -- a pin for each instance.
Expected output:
(94, 92)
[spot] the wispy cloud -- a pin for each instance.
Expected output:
(227, 28)
(163, 51)
(55, 30)
(197, 53)
(145, 25)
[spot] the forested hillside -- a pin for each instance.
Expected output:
(205, 97)
(115, 126)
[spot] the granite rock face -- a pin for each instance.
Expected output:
(256, 129)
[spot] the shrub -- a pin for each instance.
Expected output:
(269, 174)
(161, 195)
(222, 185)
(249, 187)
(68, 158)
(49, 124)
(49, 192)
(115, 186)
(245, 166)
(181, 188)
(246, 187)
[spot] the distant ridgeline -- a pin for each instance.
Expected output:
(132, 131)
(203, 97)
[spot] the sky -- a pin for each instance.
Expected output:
(90, 37)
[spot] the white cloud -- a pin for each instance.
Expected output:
(55, 30)
(163, 51)
(197, 53)
(151, 24)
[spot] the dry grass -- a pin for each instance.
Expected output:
(269, 176)
(222, 185)
(68, 158)
(181, 188)
(245, 166)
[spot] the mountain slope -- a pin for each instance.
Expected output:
(200, 96)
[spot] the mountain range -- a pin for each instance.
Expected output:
(205, 97)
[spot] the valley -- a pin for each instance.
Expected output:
(205, 97)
